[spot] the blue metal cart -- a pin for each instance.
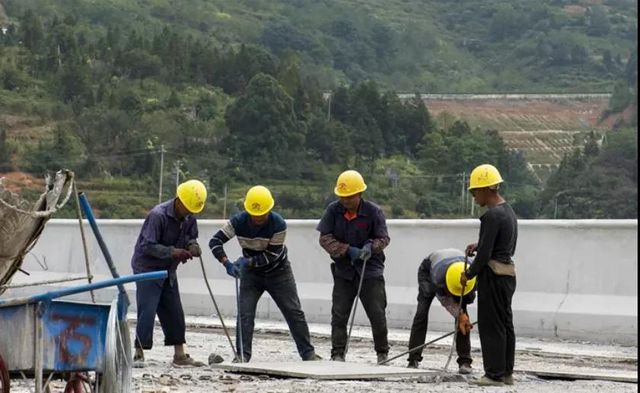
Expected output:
(85, 343)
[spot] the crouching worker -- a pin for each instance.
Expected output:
(168, 237)
(439, 276)
(263, 266)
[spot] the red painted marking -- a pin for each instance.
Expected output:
(70, 333)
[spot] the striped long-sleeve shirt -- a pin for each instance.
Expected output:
(263, 245)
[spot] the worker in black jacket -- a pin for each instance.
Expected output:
(495, 270)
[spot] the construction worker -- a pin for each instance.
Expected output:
(168, 237)
(353, 230)
(263, 266)
(439, 276)
(495, 270)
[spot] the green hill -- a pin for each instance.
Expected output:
(126, 93)
(408, 45)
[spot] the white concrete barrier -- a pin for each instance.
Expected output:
(576, 279)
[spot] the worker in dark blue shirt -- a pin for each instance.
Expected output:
(353, 230)
(168, 237)
(439, 277)
(263, 266)
(496, 274)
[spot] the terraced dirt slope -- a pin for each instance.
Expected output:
(543, 127)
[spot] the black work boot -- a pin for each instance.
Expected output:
(465, 369)
(337, 357)
(313, 357)
(413, 364)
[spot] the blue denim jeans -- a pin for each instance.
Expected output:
(281, 286)
(161, 297)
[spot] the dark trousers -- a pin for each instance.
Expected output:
(419, 333)
(162, 298)
(374, 302)
(281, 286)
(495, 320)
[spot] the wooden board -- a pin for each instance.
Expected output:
(323, 370)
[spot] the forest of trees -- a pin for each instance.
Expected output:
(109, 100)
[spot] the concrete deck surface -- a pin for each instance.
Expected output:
(273, 345)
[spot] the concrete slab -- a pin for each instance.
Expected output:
(323, 370)
(610, 375)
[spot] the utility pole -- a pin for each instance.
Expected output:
(472, 207)
(161, 173)
(462, 193)
(466, 193)
(329, 108)
(177, 166)
(224, 206)
(555, 209)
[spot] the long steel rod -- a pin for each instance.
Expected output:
(33, 284)
(355, 305)
(215, 304)
(239, 323)
(435, 340)
(47, 296)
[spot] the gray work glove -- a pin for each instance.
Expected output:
(365, 252)
(353, 253)
(194, 249)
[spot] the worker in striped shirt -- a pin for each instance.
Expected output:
(263, 266)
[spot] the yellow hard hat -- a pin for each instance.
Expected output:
(193, 195)
(485, 175)
(349, 183)
(258, 201)
(454, 272)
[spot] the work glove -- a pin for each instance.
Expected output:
(241, 264)
(194, 249)
(354, 253)
(365, 252)
(232, 269)
(464, 325)
(180, 254)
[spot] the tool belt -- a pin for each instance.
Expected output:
(503, 268)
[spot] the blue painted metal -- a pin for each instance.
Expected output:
(77, 333)
(48, 296)
(73, 336)
(123, 299)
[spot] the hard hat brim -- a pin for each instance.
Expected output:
(485, 185)
(196, 211)
(348, 194)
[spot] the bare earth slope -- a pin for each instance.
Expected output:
(542, 127)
